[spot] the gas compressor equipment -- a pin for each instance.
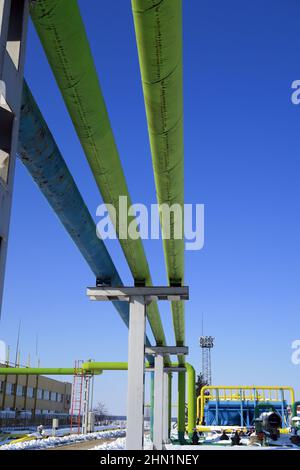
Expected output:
(295, 430)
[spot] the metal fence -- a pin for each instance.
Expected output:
(9, 422)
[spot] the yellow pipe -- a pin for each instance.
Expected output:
(229, 429)
(202, 397)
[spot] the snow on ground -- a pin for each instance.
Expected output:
(120, 444)
(211, 443)
(37, 444)
(224, 447)
(64, 431)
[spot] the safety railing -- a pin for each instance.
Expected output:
(242, 393)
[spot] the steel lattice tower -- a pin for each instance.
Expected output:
(206, 344)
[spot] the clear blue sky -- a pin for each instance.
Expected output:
(241, 161)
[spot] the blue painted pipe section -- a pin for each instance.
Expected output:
(42, 158)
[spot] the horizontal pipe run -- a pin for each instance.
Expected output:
(158, 30)
(191, 383)
(91, 366)
(96, 368)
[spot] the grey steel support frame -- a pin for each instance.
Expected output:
(139, 298)
(13, 31)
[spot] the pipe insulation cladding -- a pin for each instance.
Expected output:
(64, 39)
(41, 156)
(158, 29)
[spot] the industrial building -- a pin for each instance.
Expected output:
(34, 395)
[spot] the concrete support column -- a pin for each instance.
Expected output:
(86, 404)
(158, 401)
(4, 23)
(136, 374)
(151, 404)
(35, 391)
(181, 407)
(13, 28)
(166, 408)
(170, 404)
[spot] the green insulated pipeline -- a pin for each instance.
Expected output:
(97, 368)
(191, 387)
(158, 29)
(63, 36)
(40, 371)
(190, 371)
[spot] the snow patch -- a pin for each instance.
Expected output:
(120, 444)
(40, 443)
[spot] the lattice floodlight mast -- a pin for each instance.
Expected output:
(206, 344)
